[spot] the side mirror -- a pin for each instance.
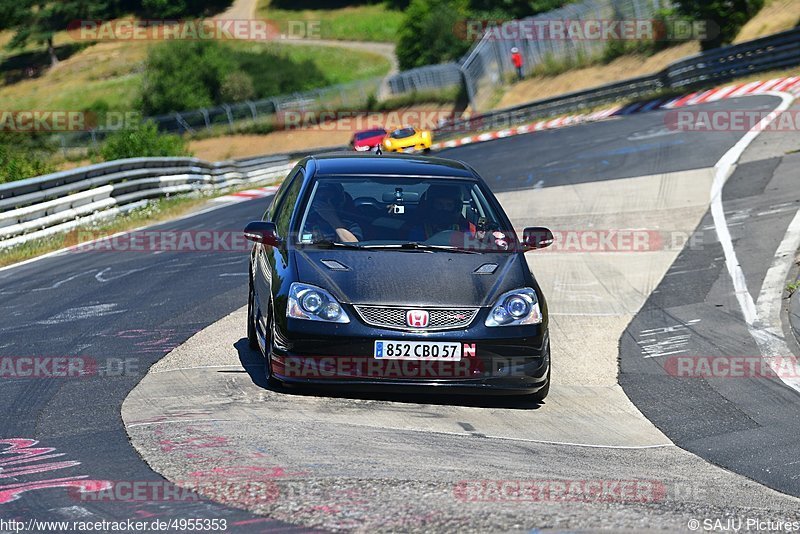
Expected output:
(536, 237)
(262, 232)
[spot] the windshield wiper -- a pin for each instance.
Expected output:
(422, 246)
(327, 243)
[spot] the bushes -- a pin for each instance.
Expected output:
(181, 75)
(237, 87)
(23, 156)
(19, 164)
(143, 140)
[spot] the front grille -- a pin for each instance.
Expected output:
(439, 319)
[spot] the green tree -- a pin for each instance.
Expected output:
(429, 35)
(39, 20)
(181, 75)
(186, 75)
(724, 18)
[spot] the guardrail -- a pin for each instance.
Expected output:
(778, 51)
(45, 205)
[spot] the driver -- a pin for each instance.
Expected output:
(328, 218)
(440, 212)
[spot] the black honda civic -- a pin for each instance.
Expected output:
(378, 271)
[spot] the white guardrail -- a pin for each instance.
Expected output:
(58, 202)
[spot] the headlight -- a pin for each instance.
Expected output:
(315, 304)
(518, 307)
(387, 143)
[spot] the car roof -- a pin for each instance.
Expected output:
(390, 165)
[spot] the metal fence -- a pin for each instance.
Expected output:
(488, 65)
(429, 78)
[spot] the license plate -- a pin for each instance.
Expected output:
(409, 150)
(418, 350)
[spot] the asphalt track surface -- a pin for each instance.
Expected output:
(747, 424)
(111, 306)
(628, 146)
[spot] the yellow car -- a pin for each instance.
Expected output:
(408, 139)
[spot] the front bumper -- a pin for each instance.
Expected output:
(512, 360)
(418, 147)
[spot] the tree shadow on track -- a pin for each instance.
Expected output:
(254, 365)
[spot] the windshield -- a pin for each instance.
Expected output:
(371, 133)
(395, 212)
(403, 133)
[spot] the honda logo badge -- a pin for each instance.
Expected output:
(417, 318)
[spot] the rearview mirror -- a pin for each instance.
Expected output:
(262, 232)
(536, 237)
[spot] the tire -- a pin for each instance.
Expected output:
(252, 333)
(540, 395)
(273, 382)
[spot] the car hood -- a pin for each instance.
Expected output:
(407, 278)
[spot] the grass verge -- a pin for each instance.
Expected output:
(370, 22)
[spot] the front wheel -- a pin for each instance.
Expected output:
(273, 382)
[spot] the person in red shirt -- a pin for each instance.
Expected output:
(516, 59)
